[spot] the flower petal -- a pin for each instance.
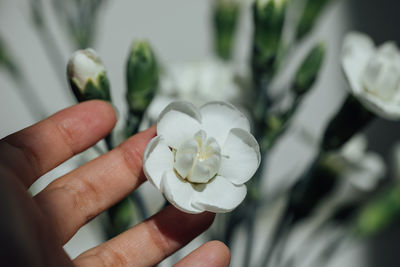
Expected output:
(357, 50)
(218, 118)
(240, 156)
(178, 122)
(157, 159)
(178, 192)
(219, 195)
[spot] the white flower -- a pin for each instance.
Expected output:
(201, 82)
(197, 82)
(363, 169)
(85, 65)
(373, 74)
(201, 158)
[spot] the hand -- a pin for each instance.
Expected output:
(33, 230)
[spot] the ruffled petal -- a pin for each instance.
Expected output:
(357, 50)
(157, 159)
(240, 157)
(219, 195)
(218, 118)
(178, 122)
(179, 192)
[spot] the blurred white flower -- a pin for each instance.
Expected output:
(373, 73)
(201, 158)
(198, 82)
(362, 169)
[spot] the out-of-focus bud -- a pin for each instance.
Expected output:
(87, 76)
(351, 118)
(225, 18)
(380, 213)
(142, 75)
(269, 16)
(308, 72)
(311, 12)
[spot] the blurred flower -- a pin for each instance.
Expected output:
(373, 74)
(361, 170)
(87, 76)
(199, 83)
(201, 158)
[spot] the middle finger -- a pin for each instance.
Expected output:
(74, 199)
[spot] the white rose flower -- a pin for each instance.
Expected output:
(373, 74)
(201, 158)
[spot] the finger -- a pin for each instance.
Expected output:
(72, 200)
(149, 242)
(211, 254)
(35, 150)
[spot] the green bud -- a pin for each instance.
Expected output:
(351, 118)
(309, 70)
(142, 77)
(311, 12)
(225, 18)
(380, 213)
(269, 16)
(87, 76)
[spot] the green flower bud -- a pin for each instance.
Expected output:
(87, 76)
(309, 70)
(380, 213)
(225, 18)
(351, 118)
(311, 12)
(269, 16)
(142, 77)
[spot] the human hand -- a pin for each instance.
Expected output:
(34, 229)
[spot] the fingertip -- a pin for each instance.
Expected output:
(211, 254)
(102, 109)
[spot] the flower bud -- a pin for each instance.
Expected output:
(269, 16)
(87, 76)
(142, 77)
(309, 70)
(311, 12)
(225, 18)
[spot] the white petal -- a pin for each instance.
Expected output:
(157, 159)
(357, 50)
(240, 157)
(218, 118)
(179, 192)
(368, 173)
(219, 195)
(178, 122)
(185, 157)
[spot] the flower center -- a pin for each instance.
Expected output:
(381, 76)
(198, 160)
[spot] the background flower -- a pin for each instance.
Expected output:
(373, 73)
(201, 158)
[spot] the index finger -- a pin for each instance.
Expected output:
(35, 150)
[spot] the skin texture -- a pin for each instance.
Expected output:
(33, 230)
